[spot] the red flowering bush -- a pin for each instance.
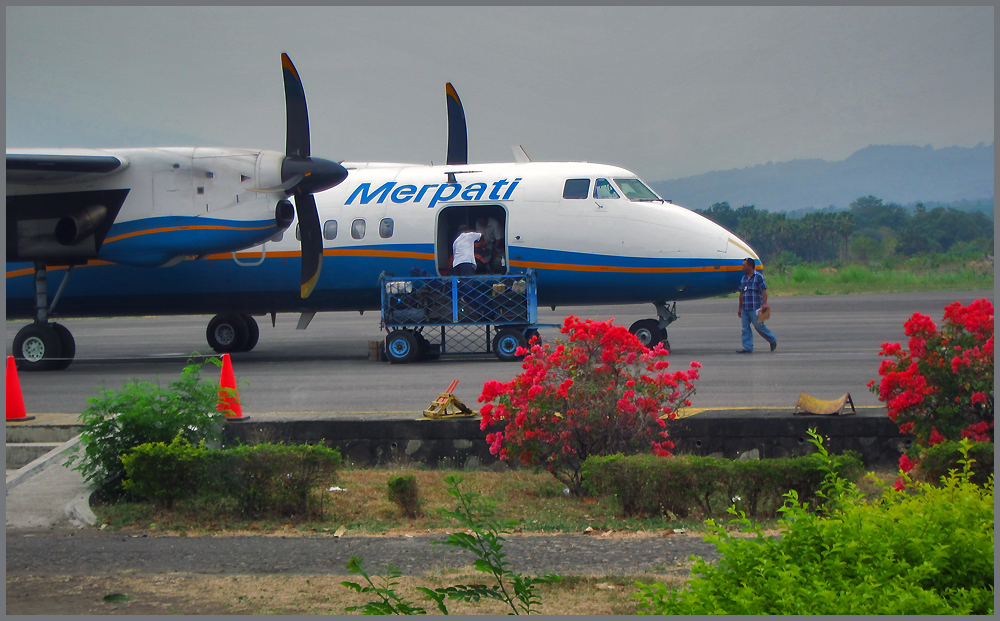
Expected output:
(600, 393)
(941, 386)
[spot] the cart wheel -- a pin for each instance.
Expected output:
(401, 347)
(530, 334)
(506, 342)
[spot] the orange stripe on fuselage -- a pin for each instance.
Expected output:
(570, 267)
(53, 268)
(171, 229)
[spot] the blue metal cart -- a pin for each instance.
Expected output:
(427, 316)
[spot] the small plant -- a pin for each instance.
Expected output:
(601, 393)
(390, 603)
(144, 412)
(926, 550)
(483, 538)
(404, 492)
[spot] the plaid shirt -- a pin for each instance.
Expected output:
(752, 288)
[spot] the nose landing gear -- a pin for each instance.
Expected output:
(653, 331)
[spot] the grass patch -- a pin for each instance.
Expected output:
(359, 503)
(824, 280)
(362, 507)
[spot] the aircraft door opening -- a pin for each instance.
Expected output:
(491, 249)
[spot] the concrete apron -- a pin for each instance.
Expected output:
(46, 494)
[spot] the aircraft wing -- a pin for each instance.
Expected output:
(37, 168)
(49, 217)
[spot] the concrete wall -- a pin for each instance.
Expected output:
(461, 443)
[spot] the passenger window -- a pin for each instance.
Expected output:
(298, 233)
(358, 229)
(330, 229)
(603, 189)
(576, 188)
(385, 228)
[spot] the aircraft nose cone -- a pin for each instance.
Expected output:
(315, 174)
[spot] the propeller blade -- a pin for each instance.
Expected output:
(458, 134)
(312, 241)
(296, 115)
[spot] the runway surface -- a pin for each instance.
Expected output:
(827, 345)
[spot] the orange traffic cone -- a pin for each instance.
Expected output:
(15, 401)
(229, 399)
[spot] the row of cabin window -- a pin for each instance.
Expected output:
(357, 229)
(580, 188)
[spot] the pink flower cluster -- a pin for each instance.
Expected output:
(941, 386)
(600, 393)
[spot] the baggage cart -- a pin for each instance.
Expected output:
(429, 316)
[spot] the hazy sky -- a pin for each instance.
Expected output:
(666, 92)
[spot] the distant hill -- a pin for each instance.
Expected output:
(896, 174)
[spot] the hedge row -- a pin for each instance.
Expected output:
(651, 485)
(937, 461)
(264, 479)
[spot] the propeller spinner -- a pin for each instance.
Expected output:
(303, 175)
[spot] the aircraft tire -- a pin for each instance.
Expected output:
(506, 342)
(36, 348)
(401, 346)
(648, 332)
(227, 333)
(68, 344)
(253, 332)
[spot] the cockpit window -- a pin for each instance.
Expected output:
(604, 189)
(576, 188)
(634, 190)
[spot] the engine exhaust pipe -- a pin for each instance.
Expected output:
(72, 229)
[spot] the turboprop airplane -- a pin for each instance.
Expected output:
(593, 234)
(109, 211)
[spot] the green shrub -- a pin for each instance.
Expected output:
(936, 461)
(273, 478)
(144, 412)
(926, 550)
(644, 484)
(165, 472)
(404, 492)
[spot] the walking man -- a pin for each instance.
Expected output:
(753, 299)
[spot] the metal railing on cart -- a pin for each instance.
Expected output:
(428, 316)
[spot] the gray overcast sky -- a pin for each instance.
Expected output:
(666, 92)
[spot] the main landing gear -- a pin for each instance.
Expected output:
(653, 331)
(44, 345)
(232, 332)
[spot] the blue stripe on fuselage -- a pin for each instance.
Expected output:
(154, 241)
(349, 281)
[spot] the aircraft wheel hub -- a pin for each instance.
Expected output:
(33, 349)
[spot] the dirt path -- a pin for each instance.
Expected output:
(70, 572)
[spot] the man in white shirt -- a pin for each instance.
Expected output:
(464, 249)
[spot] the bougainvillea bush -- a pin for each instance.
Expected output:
(940, 387)
(600, 393)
